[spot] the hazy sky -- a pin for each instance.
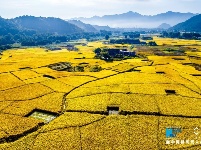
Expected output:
(67, 9)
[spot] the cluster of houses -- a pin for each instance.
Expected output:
(113, 52)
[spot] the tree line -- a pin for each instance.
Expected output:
(36, 39)
(181, 35)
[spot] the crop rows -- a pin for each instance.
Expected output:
(50, 102)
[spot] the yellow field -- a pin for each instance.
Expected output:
(150, 93)
(50, 102)
(12, 125)
(13, 81)
(169, 41)
(25, 92)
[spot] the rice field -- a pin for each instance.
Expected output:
(148, 95)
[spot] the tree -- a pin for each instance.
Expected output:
(152, 43)
(79, 68)
(106, 56)
(165, 34)
(97, 51)
(95, 68)
(107, 37)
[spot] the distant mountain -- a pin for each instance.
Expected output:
(89, 27)
(45, 25)
(83, 26)
(191, 25)
(106, 28)
(133, 19)
(164, 26)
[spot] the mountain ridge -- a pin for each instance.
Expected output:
(134, 19)
(85, 27)
(45, 25)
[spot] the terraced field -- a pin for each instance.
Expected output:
(149, 96)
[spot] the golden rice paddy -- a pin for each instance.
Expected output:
(151, 95)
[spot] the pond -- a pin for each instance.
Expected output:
(43, 115)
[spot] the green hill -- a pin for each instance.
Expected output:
(7, 27)
(45, 25)
(191, 25)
